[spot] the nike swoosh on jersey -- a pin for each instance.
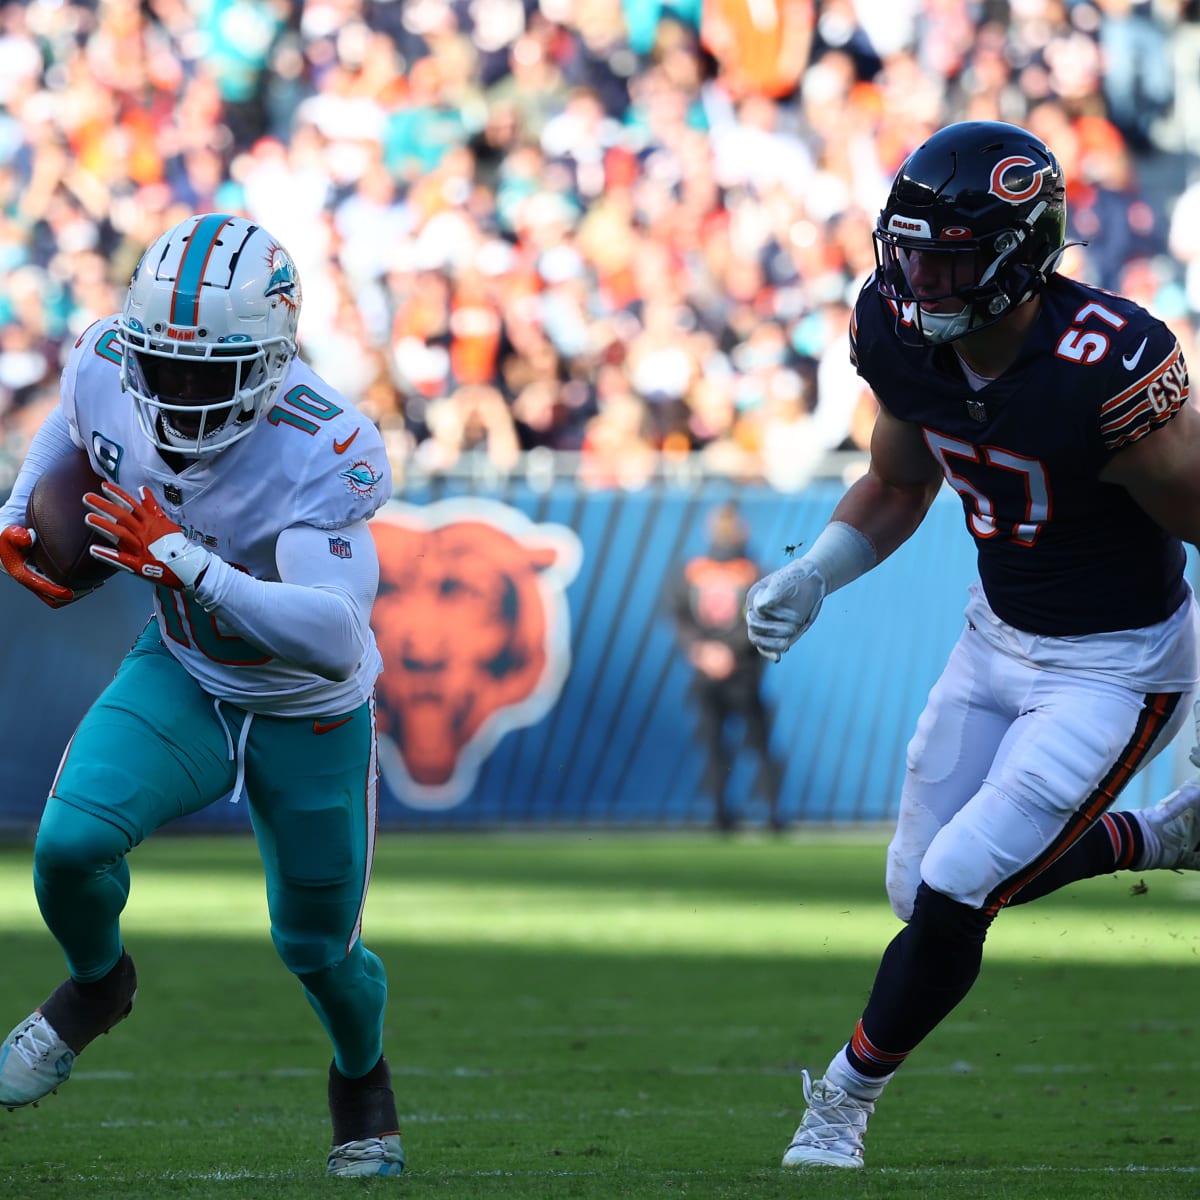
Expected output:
(320, 726)
(342, 447)
(1129, 361)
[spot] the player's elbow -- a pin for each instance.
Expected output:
(337, 669)
(345, 637)
(335, 657)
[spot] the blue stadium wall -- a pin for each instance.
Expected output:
(607, 736)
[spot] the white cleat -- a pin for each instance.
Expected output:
(370, 1156)
(831, 1134)
(1175, 821)
(34, 1060)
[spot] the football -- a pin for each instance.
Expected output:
(55, 512)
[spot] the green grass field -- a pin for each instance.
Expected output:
(618, 1016)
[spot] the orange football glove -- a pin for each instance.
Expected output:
(15, 544)
(145, 541)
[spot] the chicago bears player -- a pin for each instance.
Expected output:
(238, 485)
(1059, 414)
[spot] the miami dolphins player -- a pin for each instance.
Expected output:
(238, 485)
(1060, 416)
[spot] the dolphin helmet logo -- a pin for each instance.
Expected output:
(283, 280)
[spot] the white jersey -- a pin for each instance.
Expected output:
(312, 460)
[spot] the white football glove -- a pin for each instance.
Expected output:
(781, 607)
(1195, 751)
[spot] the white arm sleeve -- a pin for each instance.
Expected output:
(51, 442)
(318, 615)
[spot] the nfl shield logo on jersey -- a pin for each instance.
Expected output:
(339, 547)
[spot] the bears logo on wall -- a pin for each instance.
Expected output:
(474, 629)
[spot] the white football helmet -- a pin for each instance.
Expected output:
(208, 332)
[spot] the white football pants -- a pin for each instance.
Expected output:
(1011, 761)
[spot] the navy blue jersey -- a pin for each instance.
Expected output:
(1060, 552)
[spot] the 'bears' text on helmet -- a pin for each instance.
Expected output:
(974, 225)
(208, 332)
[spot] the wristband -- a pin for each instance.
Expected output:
(841, 554)
(186, 560)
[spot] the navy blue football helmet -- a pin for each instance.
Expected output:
(984, 202)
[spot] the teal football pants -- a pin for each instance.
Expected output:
(155, 747)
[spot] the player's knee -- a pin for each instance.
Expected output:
(71, 841)
(318, 981)
(961, 864)
(360, 968)
(305, 953)
(938, 916)
(915, 830)
(316, 956)
(903, 879)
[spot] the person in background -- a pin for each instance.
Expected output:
(1059, 414)
(708, 609)
(238, 484)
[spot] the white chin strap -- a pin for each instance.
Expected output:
(182, 441)
(937, 328)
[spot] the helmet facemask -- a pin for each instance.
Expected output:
(983, 277)
(197, 401)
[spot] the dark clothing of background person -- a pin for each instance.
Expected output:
(708, 610)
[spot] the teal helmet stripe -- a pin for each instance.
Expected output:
(185, 299)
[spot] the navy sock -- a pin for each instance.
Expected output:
(927, 969)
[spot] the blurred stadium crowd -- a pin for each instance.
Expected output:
(628, 229)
